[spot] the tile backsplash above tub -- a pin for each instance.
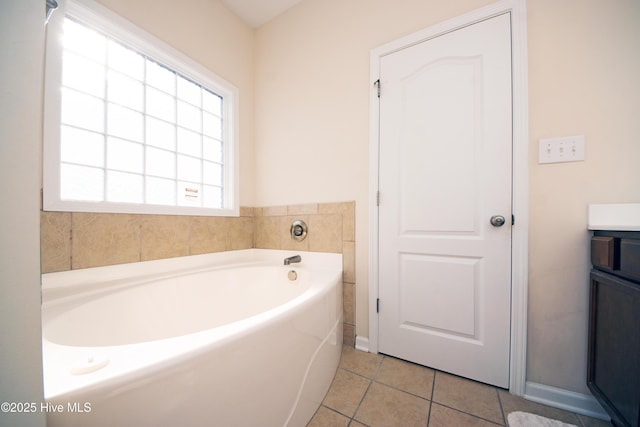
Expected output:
(330, 225)
(73, 240)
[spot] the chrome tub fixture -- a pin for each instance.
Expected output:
(299, 230)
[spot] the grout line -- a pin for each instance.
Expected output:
(353, 417)
(410, 393)
(429, 411)
(433, 390)
(504, 417)
(364, 395)
(353, 420)
(437, 372)
(371, 380)
(332, 410)
(70, 241)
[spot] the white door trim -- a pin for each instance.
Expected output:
(520, 197)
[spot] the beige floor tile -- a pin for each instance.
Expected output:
(467, 396)
(442, 416)
(346, 392)
(360, 362)
(325, 417)
(406, 376)
(371, 390)
(388, 407)
(511, 403)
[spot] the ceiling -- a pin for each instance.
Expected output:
(257, 12)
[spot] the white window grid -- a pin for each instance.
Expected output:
(191, 112)
(200, 116)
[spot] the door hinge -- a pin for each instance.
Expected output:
(377, 85)
(378, 198)
(377, 305)
(513, 219)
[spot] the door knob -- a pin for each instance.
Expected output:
(497, 220)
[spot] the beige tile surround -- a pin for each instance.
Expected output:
(74, 240)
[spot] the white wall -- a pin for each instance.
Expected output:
(311, 136)
(21, 63)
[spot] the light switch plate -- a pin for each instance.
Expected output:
(563, 149)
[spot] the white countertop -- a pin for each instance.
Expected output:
(615, 217)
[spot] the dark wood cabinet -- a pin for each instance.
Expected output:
(613, 373)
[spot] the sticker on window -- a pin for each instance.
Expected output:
(191, 193)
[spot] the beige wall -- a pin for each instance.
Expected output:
(208, 32)
(21, 65)
(311, 136)
(584, 78)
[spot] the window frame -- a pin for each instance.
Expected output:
(104, 20)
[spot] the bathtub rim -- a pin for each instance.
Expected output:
(171, 350)
(59, 284)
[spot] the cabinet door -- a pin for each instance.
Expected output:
(614, 347)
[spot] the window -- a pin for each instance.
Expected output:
(132, 125)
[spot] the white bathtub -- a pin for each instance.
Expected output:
(220, 339)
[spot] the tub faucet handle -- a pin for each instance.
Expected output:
(292, 259)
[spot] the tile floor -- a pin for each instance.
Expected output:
(376, 390)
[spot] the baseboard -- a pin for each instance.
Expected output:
(564, 399)
(362, 343)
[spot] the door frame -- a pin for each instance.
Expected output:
(520, 174)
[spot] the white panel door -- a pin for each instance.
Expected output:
(445, 170)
